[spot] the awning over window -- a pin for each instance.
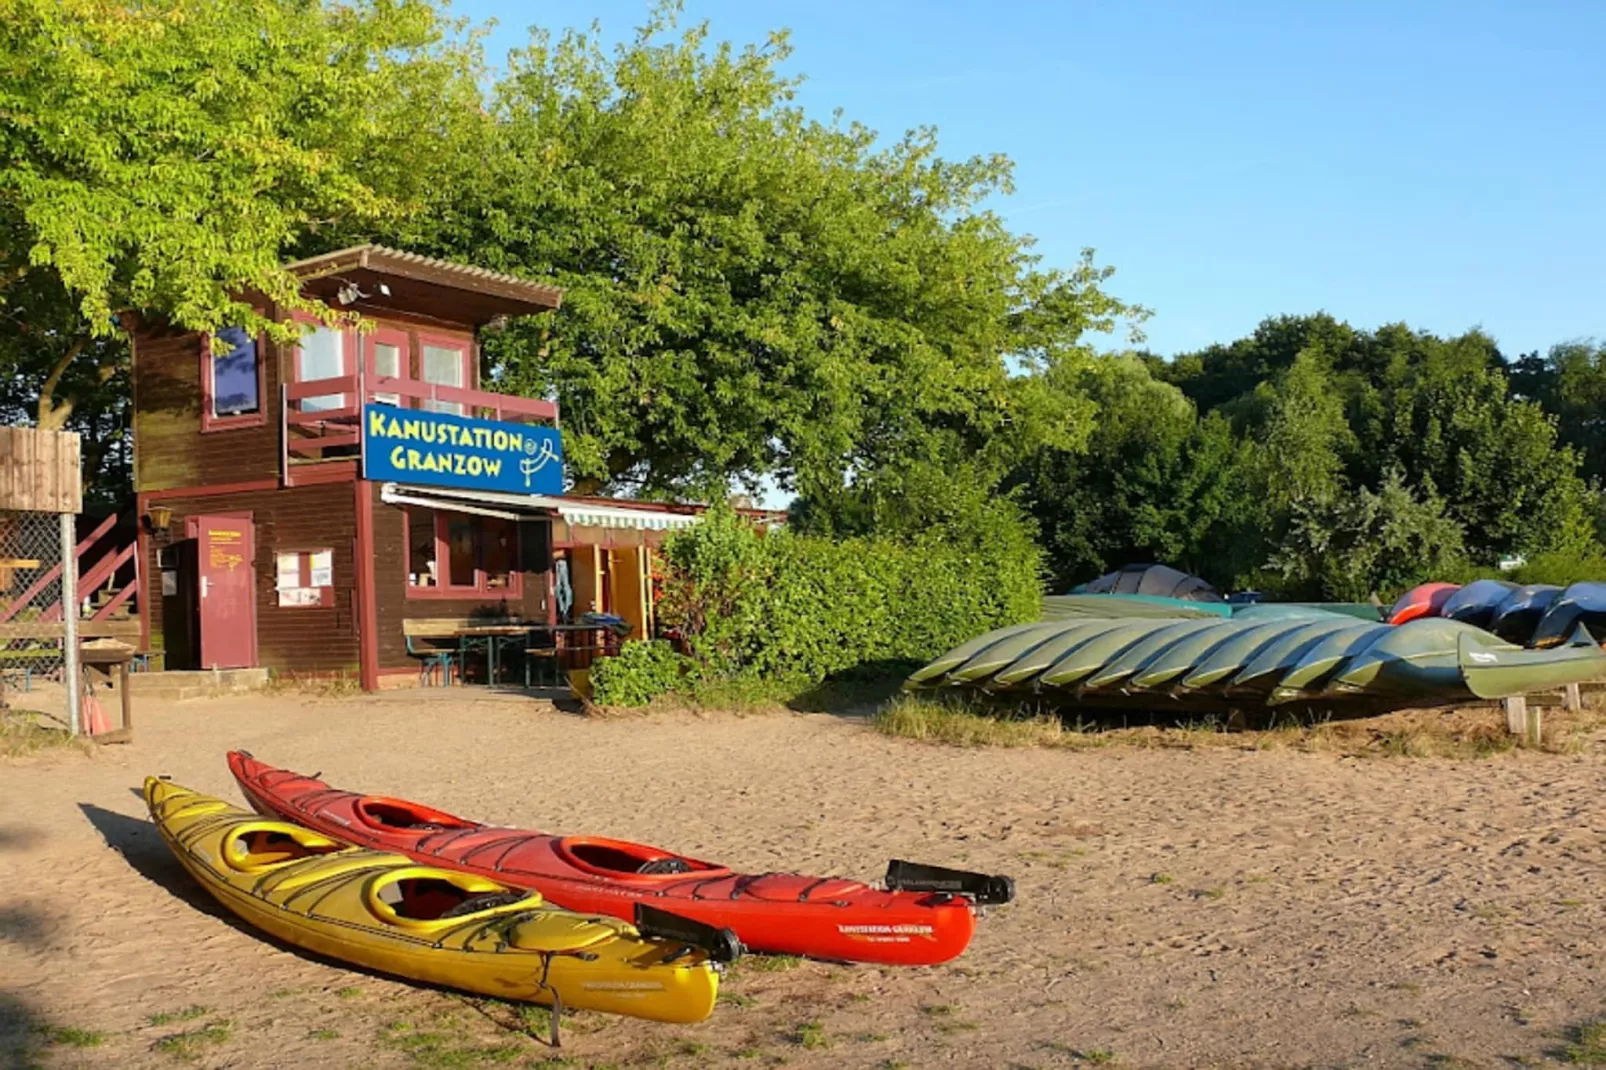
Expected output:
(516, 506)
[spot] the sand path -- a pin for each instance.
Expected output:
(1176, 908)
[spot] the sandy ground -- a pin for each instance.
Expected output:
(1198, 908)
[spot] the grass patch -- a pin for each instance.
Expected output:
(1161, 878)
(811, 1035)
(1097, 1056)
(188, 1014)
(323, 1034)
(189, 1044)
(69, 1036)
(1586, 1045)
(735, 999)
(349, 992)
(962, 722)
(443, 1051)
(969, 720)
(769, 963)
(24, 732)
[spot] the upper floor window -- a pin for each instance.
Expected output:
(321, 355)
(444, 363)
(231, 380)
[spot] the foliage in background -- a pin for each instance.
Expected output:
(164, 157)
(1312, 460)
(785, 605)
(643, 670)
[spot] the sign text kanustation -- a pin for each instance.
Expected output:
(441, 449)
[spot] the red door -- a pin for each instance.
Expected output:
(228, 592)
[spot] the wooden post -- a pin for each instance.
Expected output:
(1533, 731)
(69, 616)
(1516, 708)
(1571, 700)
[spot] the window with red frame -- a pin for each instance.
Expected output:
(231, 380)
(461, 553)
(305, 577)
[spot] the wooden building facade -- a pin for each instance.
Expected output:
(262, 543)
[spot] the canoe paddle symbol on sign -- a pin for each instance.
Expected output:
(540, 453)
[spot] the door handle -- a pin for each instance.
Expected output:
(206, 584)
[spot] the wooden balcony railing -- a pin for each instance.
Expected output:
(329, 429)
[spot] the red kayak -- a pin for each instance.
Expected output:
(1423, 600)
(925, 915)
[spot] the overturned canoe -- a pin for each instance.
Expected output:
(1476, 603)
(1496, 670)
(1581, 603)
(1423, 600)
(1516, 618)
(925, 915)
(381, 911)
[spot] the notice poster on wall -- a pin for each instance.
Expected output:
(321, 569)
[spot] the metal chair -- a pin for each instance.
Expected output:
(430, 659)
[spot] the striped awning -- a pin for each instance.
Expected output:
(515, 506)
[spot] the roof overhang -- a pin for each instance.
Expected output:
(392, 280)
(580, 513)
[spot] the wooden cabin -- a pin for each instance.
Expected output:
(305, 506)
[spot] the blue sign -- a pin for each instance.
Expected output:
(440, 449)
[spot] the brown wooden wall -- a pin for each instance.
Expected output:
(170, 450)
(306, 639)
(394, 606)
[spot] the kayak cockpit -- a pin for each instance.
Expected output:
(260, 845)
(615, 858)
(423, 897)
(398, 815)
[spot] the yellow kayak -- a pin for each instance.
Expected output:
(383, 912)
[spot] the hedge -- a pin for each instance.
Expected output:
(782, 605)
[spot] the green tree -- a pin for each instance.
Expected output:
(1350, 548)
(751, 292)
(164, 157)
(1154, 483)
(1569, 382)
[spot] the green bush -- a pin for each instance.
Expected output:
(643, 671)
(782, 605)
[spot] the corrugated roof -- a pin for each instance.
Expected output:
(390, 261)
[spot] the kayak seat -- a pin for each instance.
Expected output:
(664, 865)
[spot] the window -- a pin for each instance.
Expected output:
(444, 363)
(305, 577)
(388, 359)
(461, 553)
(322, 355)
(231, 380)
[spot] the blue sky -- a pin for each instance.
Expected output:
(1430, 161)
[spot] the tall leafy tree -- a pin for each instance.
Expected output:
(165, 156)
(751, 292)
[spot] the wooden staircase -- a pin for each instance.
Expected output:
(108, 591)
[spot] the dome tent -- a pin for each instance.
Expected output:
(1161, 580)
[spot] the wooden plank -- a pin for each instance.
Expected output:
(1571, 699)
(40, 471)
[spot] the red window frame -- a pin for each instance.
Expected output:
(345, 357)
(465, 346)
(211, 422)
(387, 336)
(443, 568)
(326, 594)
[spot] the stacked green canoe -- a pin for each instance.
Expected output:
(1211, 662)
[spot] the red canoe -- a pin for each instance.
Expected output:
(925, 916)
(1423, 600)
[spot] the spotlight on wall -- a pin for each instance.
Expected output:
(349, 294)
